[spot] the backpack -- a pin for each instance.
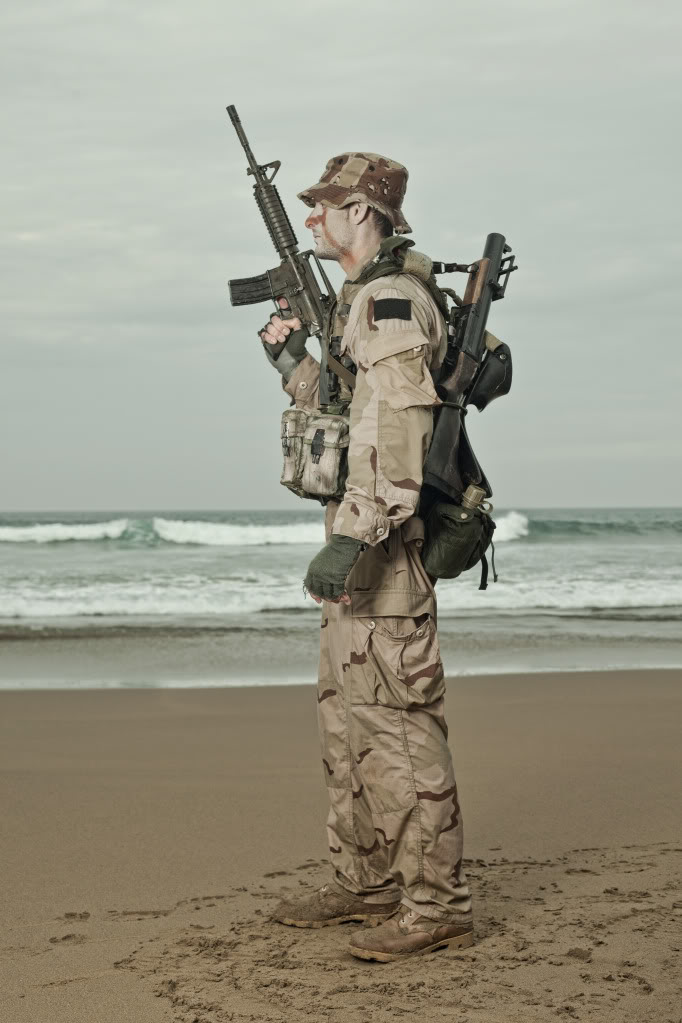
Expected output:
(457, 534)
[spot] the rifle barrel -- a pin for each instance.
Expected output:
(241, 135)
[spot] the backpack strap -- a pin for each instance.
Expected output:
(340, 370)
(393, 258)
(484, 573)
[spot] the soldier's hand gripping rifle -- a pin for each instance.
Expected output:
(294, 278)
(471, 374)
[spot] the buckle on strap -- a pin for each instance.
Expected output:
(450, 268)
(317, 446)
(341, 371)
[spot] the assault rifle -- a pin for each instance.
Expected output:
(472, 373)
(294, 278)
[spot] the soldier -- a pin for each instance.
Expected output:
(394, 826)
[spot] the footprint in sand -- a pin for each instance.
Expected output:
(584, 954)
(211, 899)
(69, 939)
(137, 914)
(528, 968)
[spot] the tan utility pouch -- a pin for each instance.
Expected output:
(315, 450)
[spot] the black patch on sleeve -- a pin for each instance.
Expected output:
(392, 309)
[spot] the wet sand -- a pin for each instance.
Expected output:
(281, 649)
(146, 834)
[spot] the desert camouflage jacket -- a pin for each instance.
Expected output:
(395, 335)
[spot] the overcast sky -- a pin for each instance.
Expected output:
(128, 381)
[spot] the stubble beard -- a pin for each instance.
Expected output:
(334, 241)
(325, 250)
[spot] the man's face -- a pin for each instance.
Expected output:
(333, 232)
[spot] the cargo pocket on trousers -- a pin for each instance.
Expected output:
(402, 655)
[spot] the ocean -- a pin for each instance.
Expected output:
(577, 589)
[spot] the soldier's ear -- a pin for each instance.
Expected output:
(358, 212)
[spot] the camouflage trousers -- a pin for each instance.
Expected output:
(395, 825)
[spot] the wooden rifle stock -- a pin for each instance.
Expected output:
(451, 464)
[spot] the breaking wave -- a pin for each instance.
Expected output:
(606, 525)
(224, 534)
(59, 532)
(512, 526)
(202, 533)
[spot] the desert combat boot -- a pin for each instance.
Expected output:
(332, 905)
(409, 934)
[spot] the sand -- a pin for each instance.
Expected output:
(147, 833)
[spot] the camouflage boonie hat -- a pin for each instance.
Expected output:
(362, 177)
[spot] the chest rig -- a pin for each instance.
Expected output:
(337, 370)
(315, 441)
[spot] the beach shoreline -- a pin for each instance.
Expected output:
(271, 650)
(148, 831)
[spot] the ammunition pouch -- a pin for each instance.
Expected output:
(315, 453)
(456, 540)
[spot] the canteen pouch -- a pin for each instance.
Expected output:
(456, 540)
(315, 451)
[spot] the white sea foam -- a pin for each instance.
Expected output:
(51, 532)
(512, 526)
(182, 597)
(193, 596)
(223, 534)
(540, 593)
